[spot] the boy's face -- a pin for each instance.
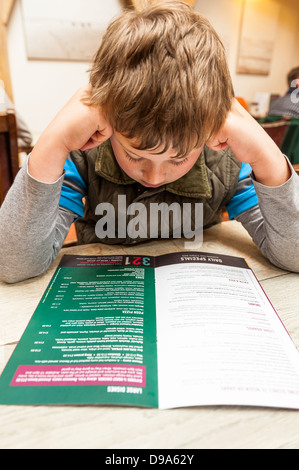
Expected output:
(150, 169)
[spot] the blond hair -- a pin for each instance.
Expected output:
(161, 77)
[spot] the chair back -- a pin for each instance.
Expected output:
(290, 144)
(276, 130)
(9, 159)
(284, 131)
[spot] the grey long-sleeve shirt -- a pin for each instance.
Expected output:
(33, 226)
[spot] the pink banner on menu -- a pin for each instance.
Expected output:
(64, 375)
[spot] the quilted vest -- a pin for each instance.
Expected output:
(211, 181)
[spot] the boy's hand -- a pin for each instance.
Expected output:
(80, 126)
(250, 143)
(76, 126)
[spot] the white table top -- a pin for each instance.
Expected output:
(113, 427)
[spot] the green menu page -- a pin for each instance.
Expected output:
(92, 338)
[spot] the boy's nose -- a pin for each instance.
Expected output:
(154, 176)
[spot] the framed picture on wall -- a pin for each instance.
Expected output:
(66, 30)
(258, 36)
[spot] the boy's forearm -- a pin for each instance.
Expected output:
(271, 169)
(251, 144)
(274, 224)
(48, 157)
(32, 228)
(76, 126)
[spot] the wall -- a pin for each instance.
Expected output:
(226, 16)
(40, 88)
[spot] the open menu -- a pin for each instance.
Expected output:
(182, 329)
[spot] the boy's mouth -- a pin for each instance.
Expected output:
(149, 185)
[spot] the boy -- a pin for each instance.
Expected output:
(158, 123)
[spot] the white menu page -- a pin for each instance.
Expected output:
(220, 341)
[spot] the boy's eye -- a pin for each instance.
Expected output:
(179, 162)
(131, 159)
(173, 162)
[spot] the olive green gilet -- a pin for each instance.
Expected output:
(211, 181)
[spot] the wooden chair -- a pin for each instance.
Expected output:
(276, 130)
(71, 239)
(9, 159)
(285, 133)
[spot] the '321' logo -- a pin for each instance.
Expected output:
(137, 261)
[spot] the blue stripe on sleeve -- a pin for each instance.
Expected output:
(73, 174)
(72, 201)
(245, 171)
(70, 198)
(244, 199)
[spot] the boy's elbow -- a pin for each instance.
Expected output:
(10, 276)
(292, 266)
(13, 274)
(289, 262)
(7, 274)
